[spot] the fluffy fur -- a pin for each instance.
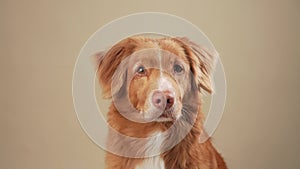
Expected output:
(184, 120)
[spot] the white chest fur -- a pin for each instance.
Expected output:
(153, 147)
(152, 163)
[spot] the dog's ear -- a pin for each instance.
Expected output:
(202, 62)
(107, 64)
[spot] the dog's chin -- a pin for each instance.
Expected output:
(164, 119)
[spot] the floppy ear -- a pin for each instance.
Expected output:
(107, 64)
(202, 62)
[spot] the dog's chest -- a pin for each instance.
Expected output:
(152, 147)
(151, 163)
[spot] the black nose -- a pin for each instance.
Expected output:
(162, 99)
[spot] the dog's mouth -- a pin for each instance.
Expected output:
(155, 115)
(167, 116)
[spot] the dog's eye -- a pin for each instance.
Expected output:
(140, 70)
(177, 68)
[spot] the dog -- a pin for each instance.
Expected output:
(156, 86)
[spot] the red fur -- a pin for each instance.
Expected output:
(188, 153)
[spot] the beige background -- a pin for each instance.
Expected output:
(40, 40)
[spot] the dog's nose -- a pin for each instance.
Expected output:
(162, 100)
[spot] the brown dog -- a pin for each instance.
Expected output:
(156, 86)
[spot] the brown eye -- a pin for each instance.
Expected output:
(177, 68)
(141, 70)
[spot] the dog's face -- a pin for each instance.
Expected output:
(156, 83)
(156, 77)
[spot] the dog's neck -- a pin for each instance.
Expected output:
(183, 154)
(188, 153)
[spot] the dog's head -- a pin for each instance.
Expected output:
(156, 77)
